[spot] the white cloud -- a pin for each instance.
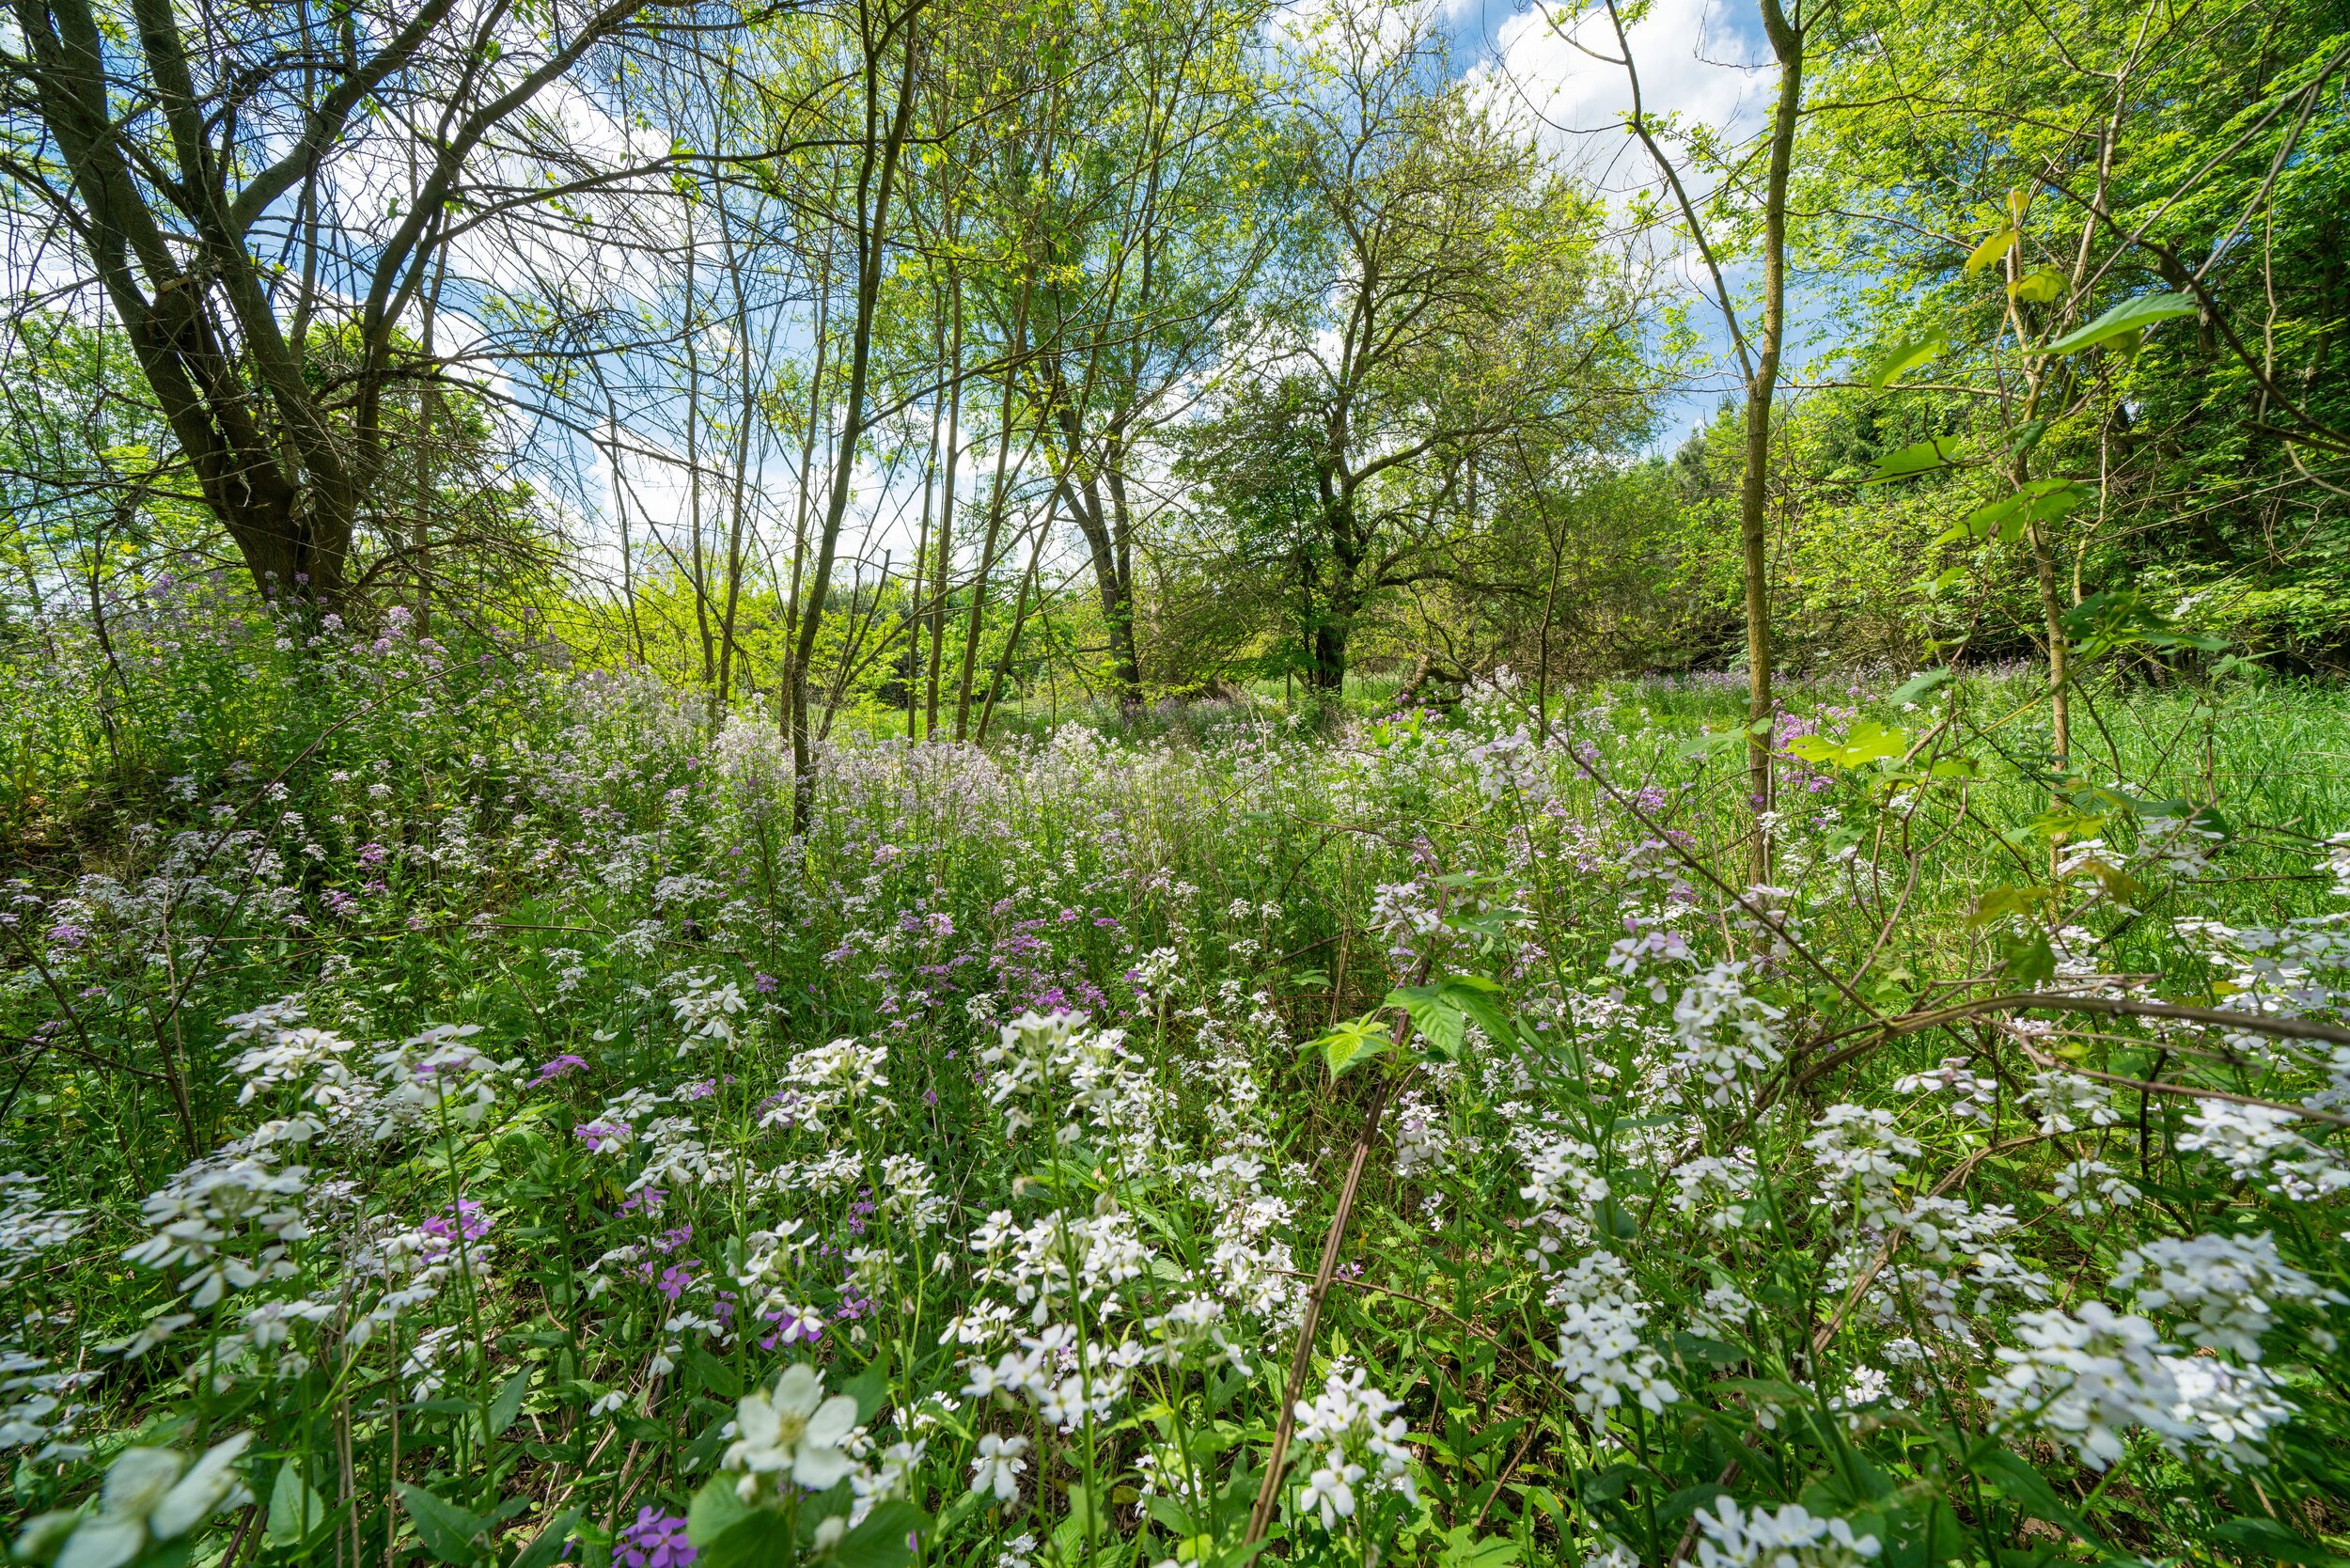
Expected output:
(1697, 65)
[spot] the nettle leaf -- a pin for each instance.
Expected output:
(1435, 1016)
(1348, 1045)
(1993, 250)
(2039, 286)
(2130, 316)
(446, 1530)
(1916, 688)
(1906, 354)
(1918, 457)
(1868, 742)
(2121, 618)
(2040, 501)
(295, 1508)
(1442, 1011)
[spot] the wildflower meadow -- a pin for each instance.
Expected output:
(450, 1117)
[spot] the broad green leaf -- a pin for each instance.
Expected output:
(869, 1388)
(2030, 1490)
(1475, 996)
(1350, 1044)
(295, 1509)
(2275, 1543)
(1463, 1550)
(2040, 501)
(1905, 356)
(1916, 687)
(446, 1530)
(715, 1510)
(2029, 960)
(1992, 251)
(1436, 1015)
(2027, 436)
(884, 1540)
(549, 1542)
(1869, 741)
(2038, 287)
(760, 1539)
(715, 1376)
(1918, 457)
(2121, 618)
(509, 1402)
(2133, 315)
(2000, 902)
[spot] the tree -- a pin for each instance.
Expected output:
(211, 170)
(1444, 292)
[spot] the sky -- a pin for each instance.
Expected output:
(1700, 62)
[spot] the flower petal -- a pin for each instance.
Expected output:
(104, 1543)
(199, 1492)
(819, 1468)
(833, 1421)
(799, 1389)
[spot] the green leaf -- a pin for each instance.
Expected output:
(1992, 251)
(1698, 1351)
(715, 1510)
(2040, 501)
(446, 1530)
(716, 1376)
(1606, 1486)
(1918, 457)
(509, 1402)
(2029, 1491)
(2132, 315)
(869, 1388)
(761, 1539)
(881, 1540)
(1869, 741)
(2037, 286)
(2027, 436)
(1906, 354)
(549, 1542)
(2275, 1543)
(1463, 1550)
(2000, 902)
(295, 1509)
(2121, 617)
(1348, 1045)
(1435, 1014)
(1916, 687)
(2029, 960)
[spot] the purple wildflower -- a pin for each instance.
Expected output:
(561, 1065)
(656, 1540)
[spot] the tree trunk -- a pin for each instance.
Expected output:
(1753, 491)
(872, 229)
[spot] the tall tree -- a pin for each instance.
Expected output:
(1445, 292)
(209, 163)
(880, 33)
